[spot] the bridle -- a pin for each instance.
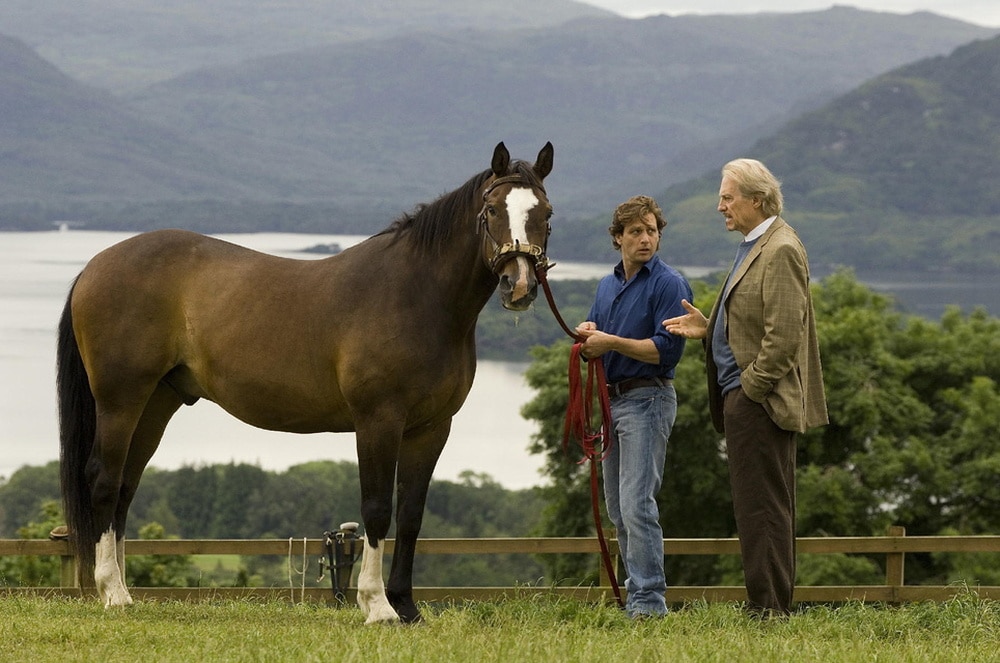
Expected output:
(496, 254)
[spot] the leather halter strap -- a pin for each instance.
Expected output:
(501, 253)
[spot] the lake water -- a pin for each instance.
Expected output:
(917, 295)
(488, 435)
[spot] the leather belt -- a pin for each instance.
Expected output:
(616, 389)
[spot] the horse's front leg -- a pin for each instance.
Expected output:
(378, 448)
(418, 455)
(371, 591)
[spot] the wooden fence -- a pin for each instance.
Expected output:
(895, 546)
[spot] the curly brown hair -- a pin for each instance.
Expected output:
(636, 207)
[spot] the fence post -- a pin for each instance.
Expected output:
(68, 576)
(894, 563)
(67, 572)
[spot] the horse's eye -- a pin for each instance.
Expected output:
(492, 211)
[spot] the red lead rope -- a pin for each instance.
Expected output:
(596, 444)
(579, 411)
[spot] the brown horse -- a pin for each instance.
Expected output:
(379, 339)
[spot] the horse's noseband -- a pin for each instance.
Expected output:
(501, 253)
(508, 251)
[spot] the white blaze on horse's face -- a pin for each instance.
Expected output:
(520, 201)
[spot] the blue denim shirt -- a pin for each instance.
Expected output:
(636, 309)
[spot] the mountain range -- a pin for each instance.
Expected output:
(327, 117)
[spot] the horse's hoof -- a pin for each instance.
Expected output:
(118, 602)
(408, 612)
(389, 618)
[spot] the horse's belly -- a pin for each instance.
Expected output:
(266, 402)
(286, 418)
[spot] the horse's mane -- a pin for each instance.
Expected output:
(430, 225)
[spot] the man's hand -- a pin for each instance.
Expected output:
(693, 324)
(591, 337)
(596, 343)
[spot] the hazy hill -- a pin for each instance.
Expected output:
(61, 139)
(116, 45)
(631, 105)
(900, 173)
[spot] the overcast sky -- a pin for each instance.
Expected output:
(979, 12)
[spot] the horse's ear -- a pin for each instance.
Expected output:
(501, 160)
(543, 164)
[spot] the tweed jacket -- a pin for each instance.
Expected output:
(771, 328)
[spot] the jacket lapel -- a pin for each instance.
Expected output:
(754, 253)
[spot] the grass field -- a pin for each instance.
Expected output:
(40, 630)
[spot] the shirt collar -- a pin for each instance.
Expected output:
(759, 230)
(646, 266)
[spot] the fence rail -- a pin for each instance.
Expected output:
(894, 546)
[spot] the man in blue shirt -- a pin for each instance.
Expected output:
(639, 355)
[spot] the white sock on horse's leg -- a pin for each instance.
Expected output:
(371, 590)
(109, 575)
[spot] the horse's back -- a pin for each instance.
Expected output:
(158, 253)
(147, 284)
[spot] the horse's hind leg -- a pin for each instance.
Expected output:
(109, 572)
(104, 476)
(418, 455)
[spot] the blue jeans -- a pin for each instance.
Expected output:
(633, 474)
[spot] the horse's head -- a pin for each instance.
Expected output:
(515, 224)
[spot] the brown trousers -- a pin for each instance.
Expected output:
(762, 479)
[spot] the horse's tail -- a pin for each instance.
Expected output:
(77, 428)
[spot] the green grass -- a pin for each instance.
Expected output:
(517, 629)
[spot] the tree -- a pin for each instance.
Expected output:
(238, 486)
(35, 571)
(191, 494)
(160, 570)
(24, 493)
(304, 500)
